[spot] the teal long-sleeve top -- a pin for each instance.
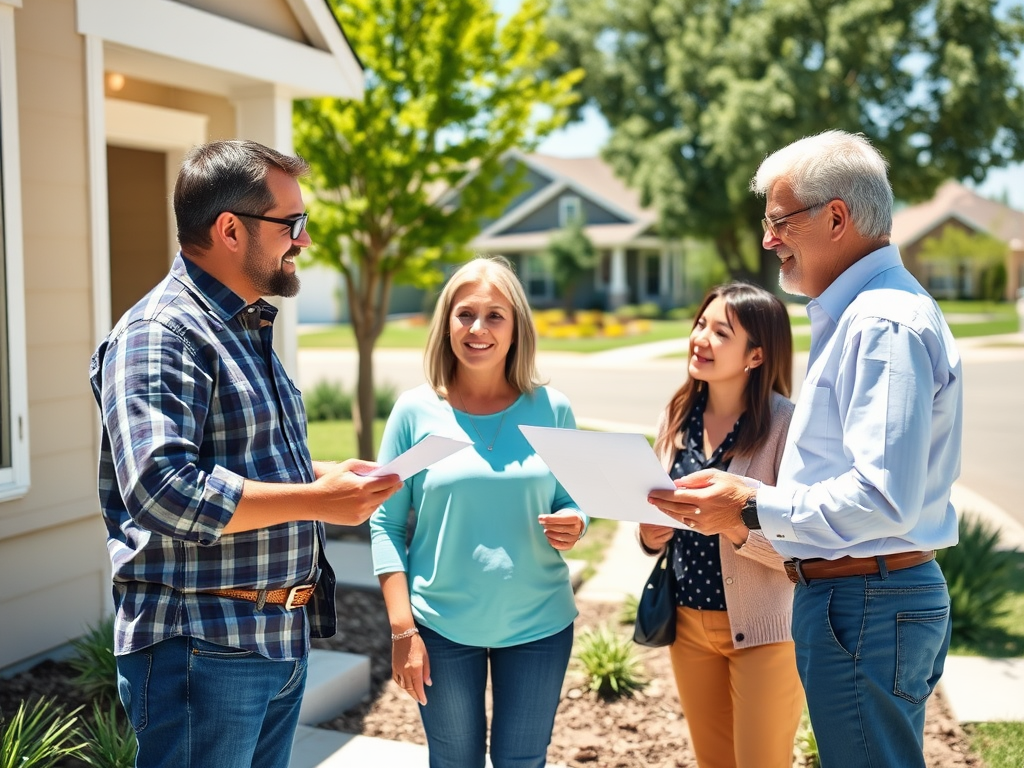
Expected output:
(480, 569)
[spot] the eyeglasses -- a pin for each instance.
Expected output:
(298, 224)
(770, 225)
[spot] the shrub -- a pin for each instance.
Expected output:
(979, 575)
(384, 400)
(94, 662)
(328, 402)
(111, 742)
(610, 662)
(39, 735)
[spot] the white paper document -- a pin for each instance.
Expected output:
(430, 450)
(609, 474)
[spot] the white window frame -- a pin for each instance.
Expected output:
(530, 275)
(14, 476)
(568, 206)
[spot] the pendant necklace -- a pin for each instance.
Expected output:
(473, 423)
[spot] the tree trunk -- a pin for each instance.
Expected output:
(364, 407)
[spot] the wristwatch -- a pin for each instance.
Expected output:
(748, 514)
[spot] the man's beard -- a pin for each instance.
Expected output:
(270, 282)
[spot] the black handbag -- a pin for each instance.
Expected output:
(655, 624)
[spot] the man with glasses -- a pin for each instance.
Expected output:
(214, 509)
(862, 500)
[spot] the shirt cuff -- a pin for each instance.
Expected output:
(775, 511)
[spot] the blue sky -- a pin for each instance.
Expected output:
(585, 139)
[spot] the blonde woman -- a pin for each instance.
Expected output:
(481, 588)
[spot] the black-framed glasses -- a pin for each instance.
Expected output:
(298, 224)
(771, 224)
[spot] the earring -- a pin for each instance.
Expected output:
(746, 369)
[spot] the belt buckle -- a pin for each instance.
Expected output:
(293, 593)
(798, 566)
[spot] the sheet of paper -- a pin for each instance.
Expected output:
(427, 451)
(609, 474)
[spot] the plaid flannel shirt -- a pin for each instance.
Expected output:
(194, 400)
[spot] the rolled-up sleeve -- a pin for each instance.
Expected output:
(155, 398)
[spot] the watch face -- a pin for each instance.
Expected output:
(749, 514)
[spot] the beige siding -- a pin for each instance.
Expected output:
(51, 541)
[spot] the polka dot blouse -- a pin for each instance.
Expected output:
(696, 557)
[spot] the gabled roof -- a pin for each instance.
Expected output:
(954, 201)
(589, 178)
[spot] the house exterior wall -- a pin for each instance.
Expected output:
(546, 217)
(54, 566)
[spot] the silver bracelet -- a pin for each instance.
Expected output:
(402, 635)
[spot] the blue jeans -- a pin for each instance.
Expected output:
(870, 651)
(526, 684)
(194, 704)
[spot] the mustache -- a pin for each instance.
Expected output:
(293, 251)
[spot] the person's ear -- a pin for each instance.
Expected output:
(756, 358)
(227, 231)
(839, 219)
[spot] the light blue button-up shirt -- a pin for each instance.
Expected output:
(874, 445)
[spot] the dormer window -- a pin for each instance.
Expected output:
(569, 209)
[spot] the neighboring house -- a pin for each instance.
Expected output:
(636, 265)
(956, 205)
(99, 100)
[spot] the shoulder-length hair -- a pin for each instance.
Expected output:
(439, 360)
(763, 316)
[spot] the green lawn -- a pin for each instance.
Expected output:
(402, 335)
(336, 440)
(1001, 745)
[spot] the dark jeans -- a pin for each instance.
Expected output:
(526, 684)
(194, 704)
(870, 651)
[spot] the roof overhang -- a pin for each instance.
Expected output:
(175, 44)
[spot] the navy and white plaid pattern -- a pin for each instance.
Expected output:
(193, 401)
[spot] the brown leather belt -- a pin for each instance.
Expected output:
(802, 571)
(295, 597)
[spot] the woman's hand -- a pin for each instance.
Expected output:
(562, 529)
(410, 666)
(655, 537)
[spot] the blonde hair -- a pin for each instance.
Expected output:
(439, 359)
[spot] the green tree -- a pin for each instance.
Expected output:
(402, 179)
(698, 92)
(961, 253)
(570, 253)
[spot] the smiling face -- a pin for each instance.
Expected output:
(482, 326)
(269, 259)
(800, 241)
(718, 346)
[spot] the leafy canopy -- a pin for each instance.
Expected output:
(402, 179)
(698, 92)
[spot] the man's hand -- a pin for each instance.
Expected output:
(708, 501)
(347, 496)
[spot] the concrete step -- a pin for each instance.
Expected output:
(353, 565)
(335, 682)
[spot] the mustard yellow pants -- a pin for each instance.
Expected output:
(743, 706)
